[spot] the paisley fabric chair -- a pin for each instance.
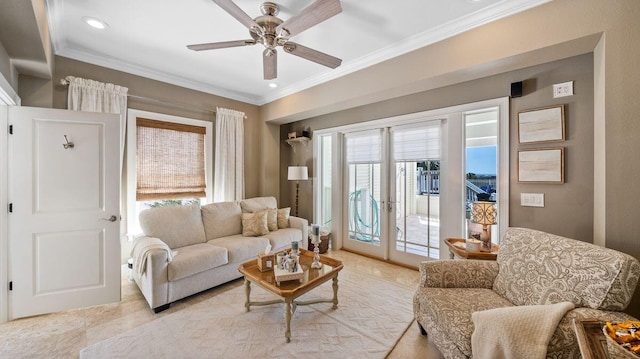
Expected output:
(532, 268)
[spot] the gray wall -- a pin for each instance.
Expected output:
(568, 207)
(553, 31)
(178, 101)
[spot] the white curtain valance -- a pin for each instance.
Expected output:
(94, 96)
(228, 179)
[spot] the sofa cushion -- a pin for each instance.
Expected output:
(272, 219)
(258, 204)
(221, 219)
(194, 259)
(241, 248)
(177, 226)
(254, 224)
(448, 313)
(542, 268)
(283, 217)
(282, 238)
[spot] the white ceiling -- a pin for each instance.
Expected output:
(149, 38)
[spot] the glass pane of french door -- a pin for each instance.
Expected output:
(364, 192)
(417, 204)
(364, 200)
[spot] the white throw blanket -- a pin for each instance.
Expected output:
(521, 332)
(141, 251)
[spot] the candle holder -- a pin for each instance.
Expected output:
(315, 239)
(316, 252)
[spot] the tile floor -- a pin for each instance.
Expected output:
(62, 335)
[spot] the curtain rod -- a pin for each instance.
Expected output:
(65, 82)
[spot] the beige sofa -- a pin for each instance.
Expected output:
(187, 249)
(532, 268)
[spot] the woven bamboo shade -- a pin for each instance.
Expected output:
(170, 160)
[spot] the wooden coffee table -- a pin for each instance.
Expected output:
(290, 290)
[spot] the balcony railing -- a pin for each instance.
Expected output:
(428, 182)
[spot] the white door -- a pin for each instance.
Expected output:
(64, 243)
(414, 195)
(365, 192)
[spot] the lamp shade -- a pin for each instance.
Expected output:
(298, 173)
(484, 213)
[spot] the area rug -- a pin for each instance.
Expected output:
(371, 317)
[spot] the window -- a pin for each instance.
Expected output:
(169, 162)
(481, 174)
(325, 185)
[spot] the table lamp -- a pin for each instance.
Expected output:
(297, 173)
(484, 213)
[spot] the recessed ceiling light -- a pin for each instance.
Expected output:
(273, 85)
(95, 23)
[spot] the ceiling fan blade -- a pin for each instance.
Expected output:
(312, 55)
(270, 63)
(235, 11)
(220, 45)
(313, 14)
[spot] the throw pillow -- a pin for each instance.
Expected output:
(283, 217)
(272, 219)
(254, 224)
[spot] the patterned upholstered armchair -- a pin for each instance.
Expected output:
(533, 268)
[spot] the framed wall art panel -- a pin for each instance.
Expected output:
(541, 125)
(543, 165)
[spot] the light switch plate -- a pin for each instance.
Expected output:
(532, 199)
(563, 89)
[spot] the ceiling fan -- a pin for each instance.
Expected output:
(272, 32)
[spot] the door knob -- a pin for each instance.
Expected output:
(113, 218)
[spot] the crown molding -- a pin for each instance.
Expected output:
(62, 48)
(119, 65)
(55, 9)
(482, 17)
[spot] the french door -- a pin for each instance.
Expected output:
(414, 192)
(392, 192)
(366, 191)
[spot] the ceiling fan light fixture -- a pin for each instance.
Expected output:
(272, 32)
(95, 23)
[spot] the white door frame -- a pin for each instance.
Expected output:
(8, 97)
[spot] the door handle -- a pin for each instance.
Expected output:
(113, 218)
